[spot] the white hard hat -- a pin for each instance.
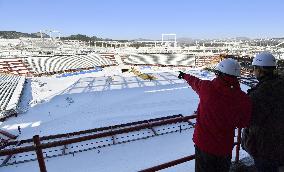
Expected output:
(229, 66)
(264, 59)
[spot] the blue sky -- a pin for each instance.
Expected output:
(131, 19)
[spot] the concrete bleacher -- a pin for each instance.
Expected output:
(63, 63)
(14, 66)
(44, 44)
(159, 59)
(109, 56)
(208, 61)
(11, 87)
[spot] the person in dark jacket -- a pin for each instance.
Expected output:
(265, 136)
(223, 106)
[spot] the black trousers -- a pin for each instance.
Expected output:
(205, 162)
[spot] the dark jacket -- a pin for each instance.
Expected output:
(266, 131)
(222, 108)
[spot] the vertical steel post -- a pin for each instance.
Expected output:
(39, 154)
(238, 145)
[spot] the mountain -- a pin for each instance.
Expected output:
(17, 35)
(185, 40)
(38, 35)
(84, 38)
(142, 39)
(243, 38)
(278, 38)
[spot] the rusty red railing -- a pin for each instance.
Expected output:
(192, 157)
(38, 147)
(89, 131)
(9, 135)
(169, 164)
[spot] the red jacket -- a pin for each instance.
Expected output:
(222, 108)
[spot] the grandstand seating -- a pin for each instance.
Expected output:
(208, 61)
(109, 56)
(51, 64)
(159, 59)
(14, 66)
(11, 87)
(47, 44)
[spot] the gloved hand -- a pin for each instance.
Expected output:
(181, 74)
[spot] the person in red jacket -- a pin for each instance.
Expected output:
(223, 106)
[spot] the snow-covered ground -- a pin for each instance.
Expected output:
(109, 97)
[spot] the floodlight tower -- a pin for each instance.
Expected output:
(59, 33)
(169, 41)
(40, 34)
(48, 31)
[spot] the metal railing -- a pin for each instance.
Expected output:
(192, 157)
(38, 146)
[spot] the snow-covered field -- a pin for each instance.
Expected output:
(109, 97)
